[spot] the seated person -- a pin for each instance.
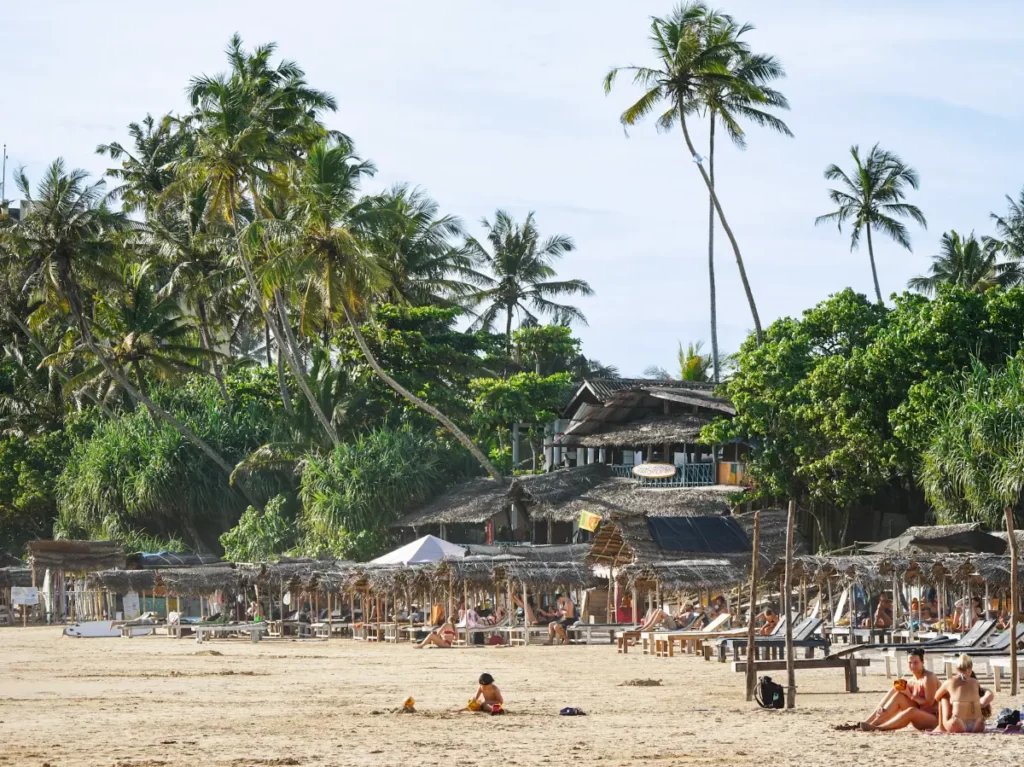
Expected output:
(771, 620)
(442, 636)
(549, 615)
(567, 617)
(883, 614)
(528, 611)
(470, 619)
(487, 695)
(685, 617)
(963, 704)
(1003, 621)
(910, 701)
(497, 615)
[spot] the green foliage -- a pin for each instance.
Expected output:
(522, 398)
(261, 536)
(350, 495)
(841, 404)
(973, 466)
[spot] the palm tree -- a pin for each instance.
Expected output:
(521, 266)
(331, 243)
(968, 263)
(691, 67)
(727, 105)
(693, 365)
(873, 197)
(67, 237)
(248, 126)
(147, 170)
(145, 332)
(424, 266)
(1010, 229)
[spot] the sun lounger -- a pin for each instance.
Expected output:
(212, 630)
(692, 639)
(970, 642)
(803, 637)
(628, 636)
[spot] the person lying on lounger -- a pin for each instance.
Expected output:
(771, 620)
(910, 701)
(442, 636)
(963, 703)
(566, 618)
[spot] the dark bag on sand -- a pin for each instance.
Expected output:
(768, 694)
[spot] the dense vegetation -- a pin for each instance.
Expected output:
(237, 348)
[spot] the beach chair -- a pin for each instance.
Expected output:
(971, 641)
(775, 643)
(485, 629)
(661, 643)
(996, 653)
(626, 637)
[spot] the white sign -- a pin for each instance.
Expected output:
(655, 470)
(24, 595)
(131, 605)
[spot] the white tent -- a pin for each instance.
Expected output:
(426, 549)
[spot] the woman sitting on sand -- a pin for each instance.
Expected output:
(962, 703)
(442, 636)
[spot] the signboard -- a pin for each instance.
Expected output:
(24, 595)
(589, 521)
(655, 470)
(130, 601)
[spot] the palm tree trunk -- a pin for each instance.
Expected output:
(282, 382)
(71, 291)
(445, 421)
(207, 341)
(711, 252)
(728, 231)
(257, 296)
(874, 272)
(266, 345)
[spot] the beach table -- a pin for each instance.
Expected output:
(254, 630)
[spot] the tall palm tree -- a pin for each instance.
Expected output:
(729, 105)
(691, 67)
(144, 333)
(693, 364)
(147, 169)
(1009, 240)
(67, 238)
(873, 197)
(522, 268)
(968, 263)
(249, 125)
(424, 266)
(332, 246)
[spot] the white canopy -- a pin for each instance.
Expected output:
(426, 549)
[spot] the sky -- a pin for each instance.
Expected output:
(499, 104)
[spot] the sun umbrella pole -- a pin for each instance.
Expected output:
(787, 595)
(752, 610)
(1014, 599)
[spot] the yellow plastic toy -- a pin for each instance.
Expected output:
(473, 705)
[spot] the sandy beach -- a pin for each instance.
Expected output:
(150, 702)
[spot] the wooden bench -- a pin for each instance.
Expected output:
(254, 630)
(849, 666)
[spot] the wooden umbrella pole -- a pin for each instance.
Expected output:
(1014, 599)
(465, 607)
(451, 599)
(787, 597)
(751, 609)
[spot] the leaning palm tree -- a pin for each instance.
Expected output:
(729, 105)
(873, 197)
(690, 66)
(67, 237)
(522, 267)
(968, 263)
(331, 249)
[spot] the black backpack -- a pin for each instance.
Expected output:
(768, 694)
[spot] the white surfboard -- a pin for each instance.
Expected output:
(101, 629)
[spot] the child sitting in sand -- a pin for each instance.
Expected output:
(488, 697)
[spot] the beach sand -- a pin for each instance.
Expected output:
(153, 701)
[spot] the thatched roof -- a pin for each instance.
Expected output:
(155, 561)
(964, 538)
(15, 576)
(474, 501)
(199, 581)
(720, 572)
(76, 556)
(558, 552)
(123, 581)
(483, 570)
(9, 560)
(629, 540)
(773, 533)
(652, 430)
(616, 498)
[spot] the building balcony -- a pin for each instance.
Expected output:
(688, 475)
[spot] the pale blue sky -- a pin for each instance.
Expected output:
(499, 104)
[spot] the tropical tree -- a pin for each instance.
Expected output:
(147, 170)
(248, 126)
(692, 65)
(424, 266)
(873, 197)
(693, 365)
(1010, 229)
(521, 267)
(68, 237)
(331, 247)
(968, 263)
(728, 106)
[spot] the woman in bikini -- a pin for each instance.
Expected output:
(443, 636)
(962, 701)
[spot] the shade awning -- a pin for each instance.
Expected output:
(425, 549)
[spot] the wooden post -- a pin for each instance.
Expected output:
(787, 597)
(465, 607)
(451, 599)
(526, 617)
(634, 605)
(1014, 599)
(752, 609)
(853, 615)
(330, 616)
